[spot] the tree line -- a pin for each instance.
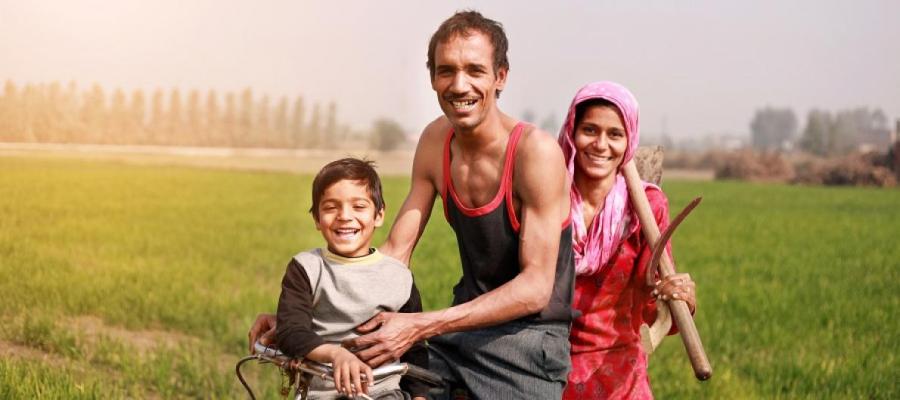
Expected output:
(65, 114)
(826, 133)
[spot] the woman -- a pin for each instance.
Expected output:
(599, 136)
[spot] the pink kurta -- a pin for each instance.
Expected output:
(607, 359)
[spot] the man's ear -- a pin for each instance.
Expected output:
(501, 78)
(379, 218)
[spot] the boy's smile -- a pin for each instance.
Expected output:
(347, 218)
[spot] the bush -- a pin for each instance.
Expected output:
(753, 166)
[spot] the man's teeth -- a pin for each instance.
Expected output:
(464, 105)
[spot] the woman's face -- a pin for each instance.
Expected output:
(600, 142)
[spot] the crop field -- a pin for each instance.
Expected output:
(122, 280)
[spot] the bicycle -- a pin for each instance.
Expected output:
(299, 378)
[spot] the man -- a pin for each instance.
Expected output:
(505, 192)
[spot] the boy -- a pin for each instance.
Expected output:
(327, 292)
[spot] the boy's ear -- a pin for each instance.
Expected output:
(379, 218)
(316, 221)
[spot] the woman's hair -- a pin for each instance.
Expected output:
(582, 107)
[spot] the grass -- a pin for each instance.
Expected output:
(796, 284)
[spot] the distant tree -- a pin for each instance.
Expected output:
(329, 137)
(157, 126)
(817, 137)
(10, 116)
(175, 125)
(94, 115)
(51, 113)
(71, 126)
(773, 128)
(263, 134)
(212, 124)
(30, 102)
(118, 118)
(298, 124)
(551, 125)
(387, 134)
(859, 126)
(313, 130)
(229, 121)
(529, 116)
(193, 119)
(280, 133)
(138, 109)
(246, 122)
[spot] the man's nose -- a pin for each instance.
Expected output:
(459, 83)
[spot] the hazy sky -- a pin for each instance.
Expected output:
(700, 66)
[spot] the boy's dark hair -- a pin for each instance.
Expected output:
(466, 23)
(352, 169)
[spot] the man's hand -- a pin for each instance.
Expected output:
(386, 337)
(263, 329)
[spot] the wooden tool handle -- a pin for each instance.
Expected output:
(678, 308)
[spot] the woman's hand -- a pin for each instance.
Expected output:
(678, 287)
(347, 373)
(263, 329)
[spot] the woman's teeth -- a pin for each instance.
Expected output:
(597, 158)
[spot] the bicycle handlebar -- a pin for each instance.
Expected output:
(325, 371)
(273, 355)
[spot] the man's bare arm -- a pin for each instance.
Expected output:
(543, 210)
(416, 210)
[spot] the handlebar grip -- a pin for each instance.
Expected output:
(424, 375)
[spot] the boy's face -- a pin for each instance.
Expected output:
(347, 218)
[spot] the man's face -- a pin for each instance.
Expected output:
(464, 79)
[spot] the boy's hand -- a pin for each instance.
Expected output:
(347, 372)
(263, 329)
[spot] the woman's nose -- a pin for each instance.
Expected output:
(601, 142)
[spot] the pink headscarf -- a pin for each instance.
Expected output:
(594, 245)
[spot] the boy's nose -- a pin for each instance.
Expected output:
(345, 213)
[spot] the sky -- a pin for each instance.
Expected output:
(697, 67)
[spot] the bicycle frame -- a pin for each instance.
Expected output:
(300, 377)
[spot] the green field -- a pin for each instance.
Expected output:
(132, 281)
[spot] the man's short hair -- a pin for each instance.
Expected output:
(353, 169)
(465, 23)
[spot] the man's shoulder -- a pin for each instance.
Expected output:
(538, 149)
(436, 130)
